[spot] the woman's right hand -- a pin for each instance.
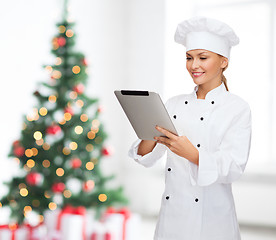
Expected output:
(145, 147)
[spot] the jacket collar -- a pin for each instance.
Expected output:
(213, 94)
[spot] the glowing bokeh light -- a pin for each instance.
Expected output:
(102, 197)
(60, 172)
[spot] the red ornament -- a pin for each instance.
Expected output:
(58, 187)
(54, 129)
(108, 236)
(94, 236)
(100, 109)
(18, 151)
(61, 41)
(76, 163)
(69, 110)
(33, 178)
(84, 62)
(79, 88)
(106, 151)
(16, 143)
(88, 185)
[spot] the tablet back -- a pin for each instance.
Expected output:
(145, 110)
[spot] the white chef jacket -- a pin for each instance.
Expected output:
(197, 203)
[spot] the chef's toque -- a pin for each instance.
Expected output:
(206, 33)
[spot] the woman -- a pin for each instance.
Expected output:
(212, 148)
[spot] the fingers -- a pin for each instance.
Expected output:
(166, 133)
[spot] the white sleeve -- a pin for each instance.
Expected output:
(149, 159)
(227, 163)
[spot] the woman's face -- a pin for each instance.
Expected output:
(205, 67)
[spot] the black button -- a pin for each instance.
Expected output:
(212, 102)
(198, 145)
(186, 102)
(201, 118)
(196, 200)
(169, 169)
(167, 197)
(174, 116)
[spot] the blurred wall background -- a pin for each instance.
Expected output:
(129, 45)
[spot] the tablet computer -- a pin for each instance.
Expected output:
(144, 111)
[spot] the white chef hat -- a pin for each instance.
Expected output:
(206, 33)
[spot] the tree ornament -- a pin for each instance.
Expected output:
(79, 88)
(58, 187)
(19, 151)
(88, 186)
(106, 151)
(34, 178)
(76, 163)
(100, 109)
(69, 110)
(84, 61)
(53, 130)
(61, 41)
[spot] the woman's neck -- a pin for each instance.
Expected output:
(203, 89)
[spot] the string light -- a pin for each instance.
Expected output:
(73, 145)
(67, 194)
(41, 218)
(95, 123)
(80, 103)
(60, 172)
(22, 185)
(84, 118)
(76, 69)
(16, 160)
(73, 95)
(89, 147)
(27, 209)
(46, 163)
(66, 151)
(43, 111)
(26, 168)
(62, 122)
(28, 153)
(67, 116)
(30, 163)
(1, 205)
(89, 166)
(58, 61)
(91, 135)
(52, 206)
(56, 74)
(49, 68)
(102, 197)
(39, 142)
(62, 29)
(69, 33)
(23, 192)
(35, 151)
(47, 195)
(52, 98)
(37, 135)
(46, 146)
(78, 129)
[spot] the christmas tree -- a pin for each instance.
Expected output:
(61, 146)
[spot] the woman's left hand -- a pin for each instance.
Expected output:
(180, 145)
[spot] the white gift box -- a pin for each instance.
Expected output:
(20, 234)
(113, 226)
(71, 226)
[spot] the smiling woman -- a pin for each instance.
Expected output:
(206, 69)
(212, 148)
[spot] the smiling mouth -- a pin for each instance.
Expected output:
(197, 74)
